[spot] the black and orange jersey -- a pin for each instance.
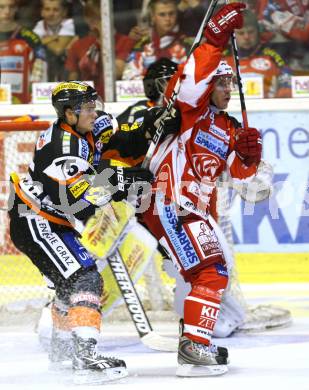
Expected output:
(62, 170)
(134, 113)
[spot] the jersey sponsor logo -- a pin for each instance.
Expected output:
(219, 132)
(187, 204)
(83, 149)
(210, 312)
(44, 138)
(177, 235)
(221, 270)
(118, 163)
(101, 123)
(124, 127)
(85, 297)
(77, 249)
(205, 238)
(211, 143)
(104, 137)
(135, 125)
(54, 247)
(79, 188)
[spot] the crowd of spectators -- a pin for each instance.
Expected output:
(53, 40)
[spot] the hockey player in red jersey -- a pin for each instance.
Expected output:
(186, 168)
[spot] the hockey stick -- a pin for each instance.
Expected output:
(157, 136)
(239, 80)
(135, 307)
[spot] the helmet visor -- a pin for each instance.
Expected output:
(227, 82)
(90, 106)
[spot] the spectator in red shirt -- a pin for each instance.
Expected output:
(163, 40)
(84, 60)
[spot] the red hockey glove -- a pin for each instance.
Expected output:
(222, 24)
(248, 146)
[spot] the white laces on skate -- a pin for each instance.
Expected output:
(201, 349)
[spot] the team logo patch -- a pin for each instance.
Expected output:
(44, 138)
(206, 239)
(206, 165)
(211, 143)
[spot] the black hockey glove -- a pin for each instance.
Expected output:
(153, 117)
(119, 180)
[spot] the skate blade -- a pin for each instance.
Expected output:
(93, 377)
(190, 370)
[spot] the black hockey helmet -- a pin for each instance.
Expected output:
(157, 76)
(72, 94)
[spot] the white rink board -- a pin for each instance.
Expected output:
(279, 224)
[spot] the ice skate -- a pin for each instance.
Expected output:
(91, 368)
(195, 359)
(215, 349)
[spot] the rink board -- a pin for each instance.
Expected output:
(252, 268)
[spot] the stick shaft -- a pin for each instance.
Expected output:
(239, 82)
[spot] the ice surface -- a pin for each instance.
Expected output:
(276, 359)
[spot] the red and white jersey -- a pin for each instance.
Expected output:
(187, 165)
(22, 60)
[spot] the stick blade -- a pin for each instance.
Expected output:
(157, 342)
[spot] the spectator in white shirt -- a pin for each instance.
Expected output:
(56, 32)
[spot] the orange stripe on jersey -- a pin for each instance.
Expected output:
(66, 127)
(36, 209)
(114, 155)
(67, 182)
(84, 316)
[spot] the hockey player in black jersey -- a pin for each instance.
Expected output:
(155, 81)
(47, 206)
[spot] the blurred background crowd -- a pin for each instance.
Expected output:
(54, 40)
